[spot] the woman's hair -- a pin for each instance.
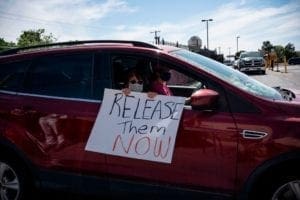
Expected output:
(131, 73)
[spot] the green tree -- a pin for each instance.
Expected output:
(266, 46)
(6, 45)
(289, 51)
(35, 37)
(279, 50)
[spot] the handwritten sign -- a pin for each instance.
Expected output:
(136, 126)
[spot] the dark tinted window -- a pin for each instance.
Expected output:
(65, 76)
(12, 74)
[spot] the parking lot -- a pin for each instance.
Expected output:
(278, 77)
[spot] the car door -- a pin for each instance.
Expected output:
(204, 155)
(60, 108)
(12, 74)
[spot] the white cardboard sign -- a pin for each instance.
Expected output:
(136, 126)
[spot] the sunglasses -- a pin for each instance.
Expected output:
(134, 82)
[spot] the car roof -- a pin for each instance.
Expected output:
(75, 45)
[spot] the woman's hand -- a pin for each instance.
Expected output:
(151, 95)
(126, 91)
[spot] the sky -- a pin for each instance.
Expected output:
(254, 21)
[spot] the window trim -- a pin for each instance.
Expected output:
(50, 97)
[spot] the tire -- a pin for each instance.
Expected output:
(280, 186)
(288, 190)
(14, 180)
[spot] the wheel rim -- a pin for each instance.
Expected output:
(9, 183)
(288, 191)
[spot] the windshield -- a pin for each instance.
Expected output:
(229, 75)
(250, 54)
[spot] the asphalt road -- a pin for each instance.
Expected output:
(278, 77)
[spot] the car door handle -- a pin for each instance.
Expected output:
(250, 134)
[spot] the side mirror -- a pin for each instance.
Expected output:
(204, 99)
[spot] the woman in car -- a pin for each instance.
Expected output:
(135, 83)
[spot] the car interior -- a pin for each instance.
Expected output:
(180, 84)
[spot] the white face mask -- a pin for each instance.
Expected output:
(136, 87)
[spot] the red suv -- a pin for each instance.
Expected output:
(236, 139)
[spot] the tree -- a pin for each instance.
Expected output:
(6, 45)
(279, 52)
(35, 37)
(289, 51)
(267, 46)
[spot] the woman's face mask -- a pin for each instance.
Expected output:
(135, 84)
(136, 87)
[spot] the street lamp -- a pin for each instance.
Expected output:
(237, 43)
(207, 20)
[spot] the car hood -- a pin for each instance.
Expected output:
(251, 58)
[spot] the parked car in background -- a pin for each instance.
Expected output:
(237, 138)
(251, 61)
(235, 64)
(294, 61)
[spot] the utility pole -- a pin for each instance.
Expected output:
(207, 20)
(237, 43)
(156, 37)
(229, 50)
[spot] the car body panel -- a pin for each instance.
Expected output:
(209, 137)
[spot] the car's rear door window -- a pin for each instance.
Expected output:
(12, 75)
(63, 76)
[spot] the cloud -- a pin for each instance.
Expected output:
(68, 19)
(254, 25)
(81, 19)
(73, 11)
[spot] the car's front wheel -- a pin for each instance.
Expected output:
(284, 186)
(287, 191)
(12, 180)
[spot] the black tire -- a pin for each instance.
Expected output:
(288, 190)
(277, 186)
(14, 180)
(279, 189)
